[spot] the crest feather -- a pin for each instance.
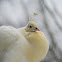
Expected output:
(31, 18)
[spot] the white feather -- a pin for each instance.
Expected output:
(22, 45)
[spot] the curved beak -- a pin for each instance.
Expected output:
(37, 29)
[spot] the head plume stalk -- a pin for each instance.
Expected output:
(31, 18)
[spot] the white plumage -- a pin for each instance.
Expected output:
(25, 44)
(9, 37)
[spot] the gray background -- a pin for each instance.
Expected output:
(49, 19)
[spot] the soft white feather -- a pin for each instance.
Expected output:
(25, 44)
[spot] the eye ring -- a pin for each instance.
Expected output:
(30, 26)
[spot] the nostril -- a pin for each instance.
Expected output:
(36, 28)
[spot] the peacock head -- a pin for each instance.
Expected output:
(32, 27)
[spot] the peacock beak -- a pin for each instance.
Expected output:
(37, 29)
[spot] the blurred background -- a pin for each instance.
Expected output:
(49, 19)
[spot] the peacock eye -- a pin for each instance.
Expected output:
(30, 26)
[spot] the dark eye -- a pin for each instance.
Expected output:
(30, 26)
